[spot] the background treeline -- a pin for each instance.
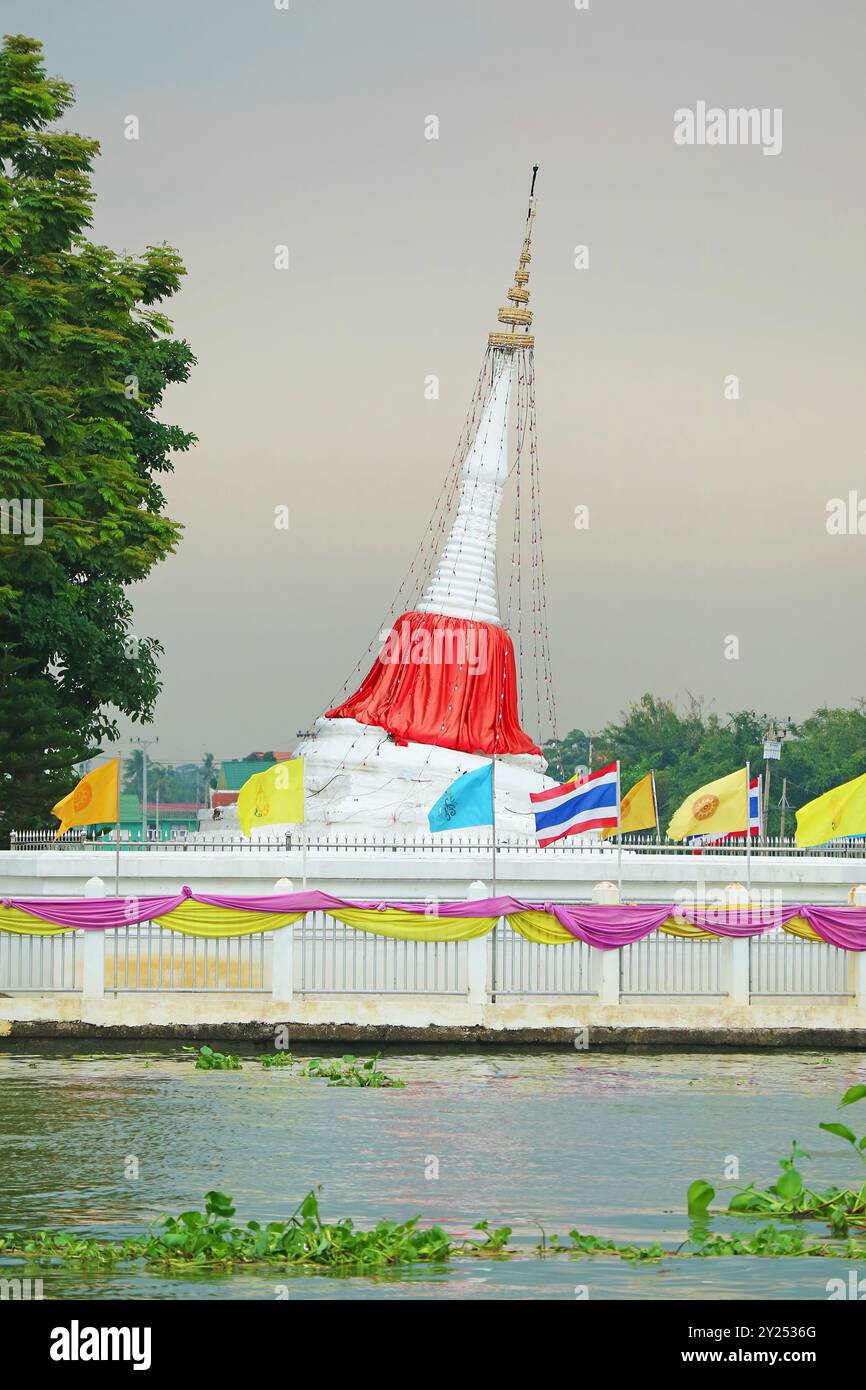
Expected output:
(174, 782)
(688, 747)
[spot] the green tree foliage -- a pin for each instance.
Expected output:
(686, 748)
(85, 358)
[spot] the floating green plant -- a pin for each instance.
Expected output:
(209, 1238)
(208, 1060)
(347, 1071)
(351, 1071)
(788, 1197)
(277, 1059)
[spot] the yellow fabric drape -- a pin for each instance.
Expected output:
(12, 919)
(541, 927)
(203, 919)
(798, 926)
(671, 927)
(412, 926)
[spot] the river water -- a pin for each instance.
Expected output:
(602, 1141)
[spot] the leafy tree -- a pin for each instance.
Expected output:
(39, 739)
(829, 747)
(209, 772)
(566, 754)
(133, 772)
(85, 357)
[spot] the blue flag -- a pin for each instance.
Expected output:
(468, 801)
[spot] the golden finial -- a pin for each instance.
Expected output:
(515, 312)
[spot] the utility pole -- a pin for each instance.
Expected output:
(783, 806)
(144, 744)
(774, 736)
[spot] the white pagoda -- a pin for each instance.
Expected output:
(441, 695)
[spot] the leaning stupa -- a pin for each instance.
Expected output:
(443, 693)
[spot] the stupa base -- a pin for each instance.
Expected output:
(358, 780)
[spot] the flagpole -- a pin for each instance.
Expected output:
(117, 834)
(656, 808)
(748, 828)
(304, 853)
(493, 824)
(618, 834)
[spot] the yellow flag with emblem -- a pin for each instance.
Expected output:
(840, 811)
(273, 797)
(637, 809)
(93, 801)
(719, 808)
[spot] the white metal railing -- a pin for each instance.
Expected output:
(780, 964)
(332, 958)
(42, 963)
(419, 843)
(661, 964)
(518, 966)
(146, 956)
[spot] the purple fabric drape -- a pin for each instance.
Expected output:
(97, 914)
(839, 926)
(606, 927)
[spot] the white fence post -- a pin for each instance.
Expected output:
(607, 972)
(608, 964)
(476, 958)
(283, 953)
(476, 971)
(739, 951)
(739, 983)
(93, 954)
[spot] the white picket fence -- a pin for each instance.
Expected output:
(330, 958)
(480, 844)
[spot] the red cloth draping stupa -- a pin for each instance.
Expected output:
(443, 680)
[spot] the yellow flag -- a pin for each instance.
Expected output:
(273, 797)
(93, 801)
(719, 808)
(637, 809)
(840, 811)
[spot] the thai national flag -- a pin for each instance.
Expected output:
(575, 807)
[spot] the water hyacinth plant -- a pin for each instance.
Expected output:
(352, 1071)
(788, 1197)
(348, 1071)
(209, 1238)
(208, 1060)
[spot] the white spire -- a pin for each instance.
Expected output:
(464, 584)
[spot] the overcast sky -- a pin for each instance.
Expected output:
(708, 516)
